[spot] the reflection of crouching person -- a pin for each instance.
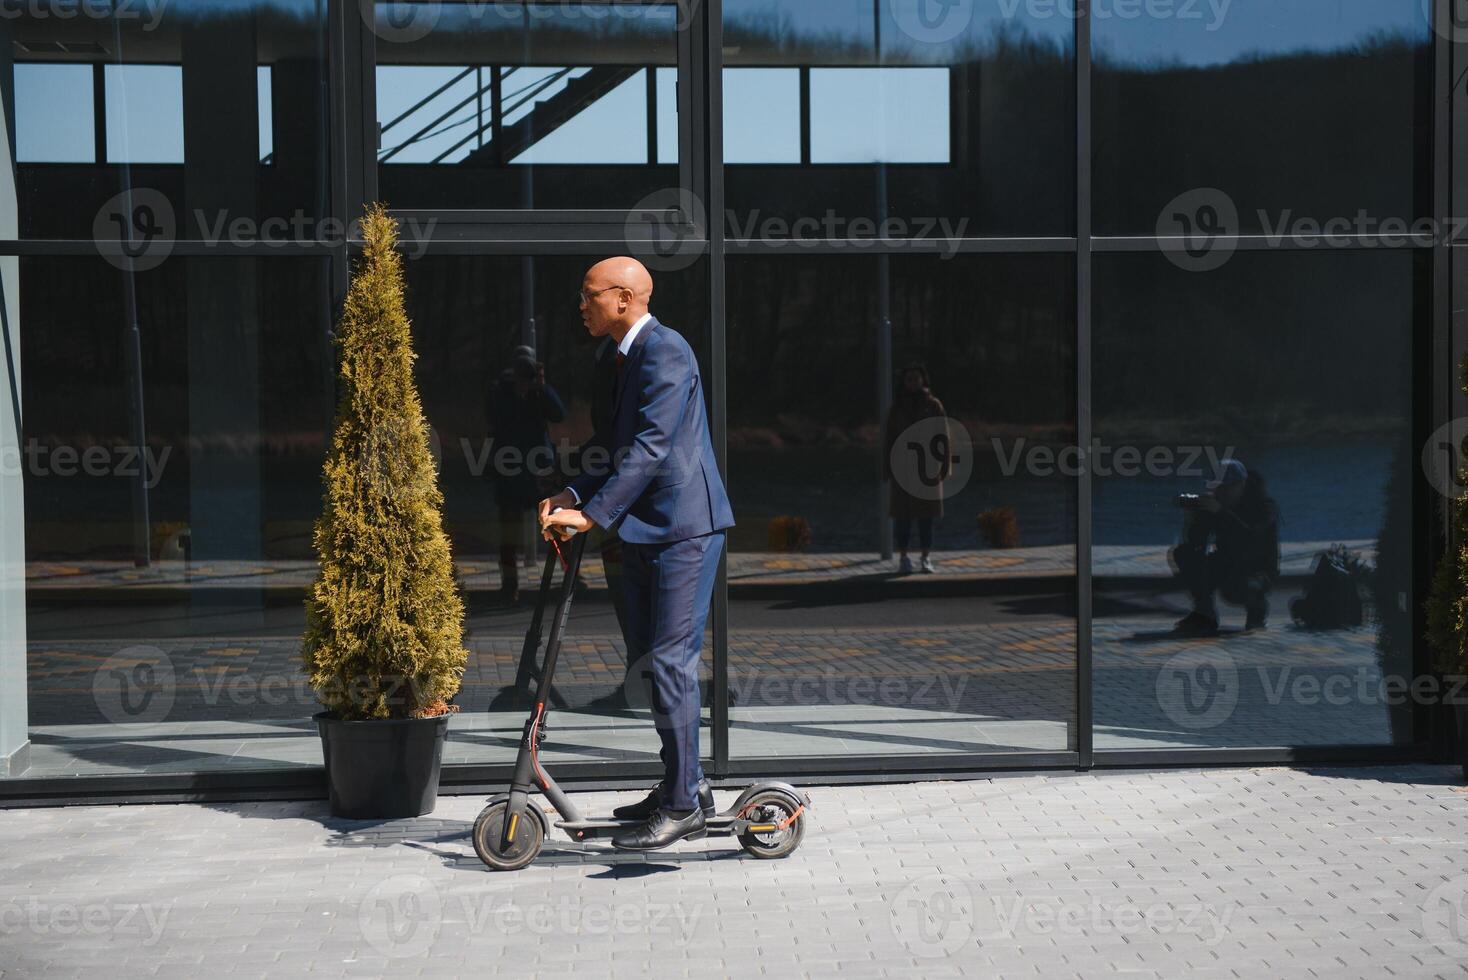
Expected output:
(1243, 523)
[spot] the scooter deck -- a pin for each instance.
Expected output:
(727, 824)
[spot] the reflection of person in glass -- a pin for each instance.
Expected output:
(914, 466)
(519, 409)
(629, 693)
(1243, 522)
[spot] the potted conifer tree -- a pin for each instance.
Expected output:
(1447, 606)
(383, 646)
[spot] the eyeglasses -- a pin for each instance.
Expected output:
(585, 297)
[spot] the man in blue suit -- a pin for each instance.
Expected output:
(660, 489)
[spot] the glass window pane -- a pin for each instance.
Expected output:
(144, 113)
(263, 98)
(1283, 110)
(761, 115)
(835, 650)
(158, 536)
(411, 102)
(509, 105)
(890, 115)
(667, 118)
(53, 114)
(1297, 366)
(469, 313)
(925, 119)
(186, 106)
(611, 128)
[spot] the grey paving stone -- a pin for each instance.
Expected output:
(1247, 872)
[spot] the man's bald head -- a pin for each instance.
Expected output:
(616, 292)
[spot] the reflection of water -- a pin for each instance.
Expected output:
(1325, 491)
(1331, 491)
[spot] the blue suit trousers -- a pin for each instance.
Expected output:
(667, 588)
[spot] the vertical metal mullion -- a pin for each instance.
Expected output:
(804, 75)
(496, 113)
(99, 112)
(340, 41)
(1442, 395)
(1084, 686)
(652, 115)
(688, 86)
(366, 82)
(712, 142)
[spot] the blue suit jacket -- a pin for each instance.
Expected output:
(664, 485)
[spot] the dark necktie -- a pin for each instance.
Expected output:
(621, 360)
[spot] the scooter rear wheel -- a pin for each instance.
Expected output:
(489, 832)
(772, 808)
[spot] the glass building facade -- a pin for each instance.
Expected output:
(1126, 246)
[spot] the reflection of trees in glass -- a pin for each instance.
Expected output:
(1315, 134)
(1279, 345)
(995, 331)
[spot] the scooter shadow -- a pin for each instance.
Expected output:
(432, 834)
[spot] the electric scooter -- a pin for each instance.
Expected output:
(768, 818)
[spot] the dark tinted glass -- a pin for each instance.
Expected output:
(513, 105)
(1299, 367)
(1255, 115)
(168, 539)
(215, 120)
(943, 120)
(836, 452)
(469, 313)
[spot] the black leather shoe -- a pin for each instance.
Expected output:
(662, 829)
(645, 808)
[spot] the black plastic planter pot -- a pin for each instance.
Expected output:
(382, 769)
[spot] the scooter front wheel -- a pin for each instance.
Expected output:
(489, 838)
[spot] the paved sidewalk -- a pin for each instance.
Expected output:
(482, 573)
(1215, 873)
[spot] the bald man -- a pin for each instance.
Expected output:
(663, 494)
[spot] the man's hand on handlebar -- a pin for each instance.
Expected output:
(563, 523)
(564, 500)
